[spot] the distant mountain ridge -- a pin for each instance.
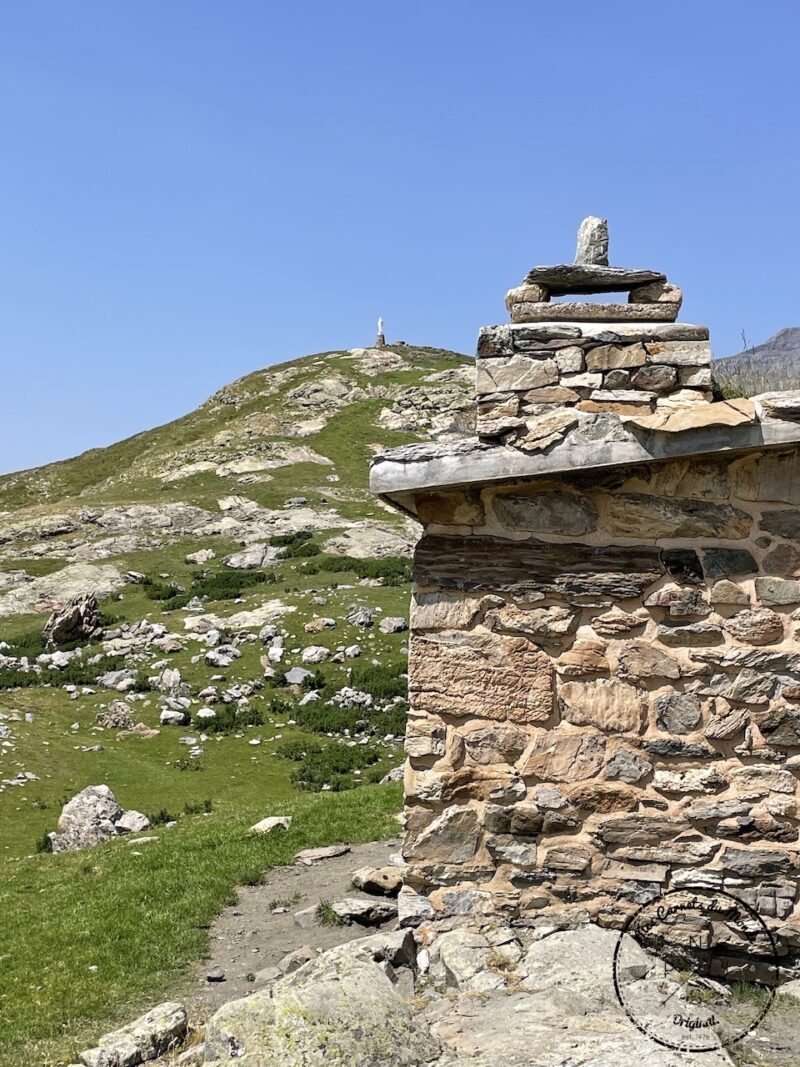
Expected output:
(774, 364)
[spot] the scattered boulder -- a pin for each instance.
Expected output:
(392, 624)
(272, 822)
(315, 654)
(154, 1034)
(132, 822)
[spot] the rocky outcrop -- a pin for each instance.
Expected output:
(79, 620)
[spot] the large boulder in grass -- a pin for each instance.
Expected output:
(79, 620)
(335, 1009)
(86, 820)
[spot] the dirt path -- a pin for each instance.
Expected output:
(247, 937)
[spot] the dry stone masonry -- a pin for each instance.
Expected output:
(604, 650)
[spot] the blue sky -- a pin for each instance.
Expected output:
(191, 189)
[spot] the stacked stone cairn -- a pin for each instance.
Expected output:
(605, 629)
(629, 359)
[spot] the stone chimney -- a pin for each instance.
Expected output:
(604, 659)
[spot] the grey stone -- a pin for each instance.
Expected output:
(723, 562)
(657, 378)
(592, 247)
(590, 278)
(679, 353)
(756, 863)
(335, 1009)
(669, 746)
(617, 379)
(413, 908)
(79, 620)
(780, 725)
(627, 766)
(365, 912)
(546, 512)
(778, 591)
(86, 820)
(784, 522)
(725, 592)
(152, 1035)
(709, 810)
(694, 634)
(310, 856)
(677, 713)
(297, 675)
(590, 312)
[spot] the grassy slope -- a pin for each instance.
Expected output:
(141, 919)
(100, 935)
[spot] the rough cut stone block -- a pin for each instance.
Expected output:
(642, 660)
(679, 353)
(784, 522)
(586, 380)
(492, 564)
(544, 624)
(517, 373)
(570, 360)
(482, 674)
(443, 611)
(451, 838)
(605, 703)
(652, 516)
(723, 562)
(579, 312)
(777, 591)
(612, 357)
(452, 508)
(657, 378)
(656, 293)
(545, 512)
(527, 294)
(677, 713)
(562, 756)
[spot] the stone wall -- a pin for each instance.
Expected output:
(605, 692)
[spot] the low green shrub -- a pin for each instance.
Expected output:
(393, 570)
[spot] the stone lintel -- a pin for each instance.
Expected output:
(563, 278)
(589, 312)
(471, 462)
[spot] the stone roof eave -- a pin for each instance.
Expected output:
(398, 474)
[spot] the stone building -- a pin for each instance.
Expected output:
(604, 659)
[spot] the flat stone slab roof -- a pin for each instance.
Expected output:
(595, 441)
